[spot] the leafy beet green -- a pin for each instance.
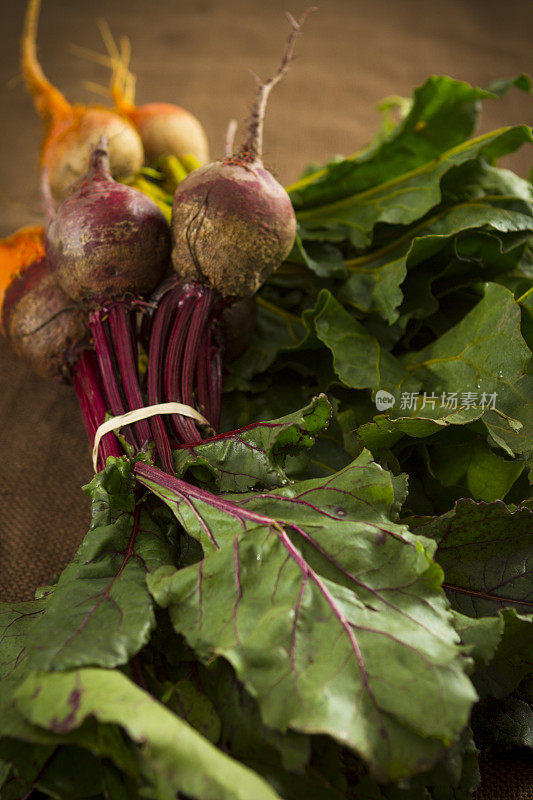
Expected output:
(180, 759)
(484, 550)
(101, 612)
(253, 457)
(318, 577)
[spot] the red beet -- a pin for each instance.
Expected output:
(44, 327)
(107, 240)
(232, 222)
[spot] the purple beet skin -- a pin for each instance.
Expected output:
(107, 240)
(44, 327)
(232, 224)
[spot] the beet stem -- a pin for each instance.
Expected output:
(90, 393)
(122, 327)
(199, 321)
(107, 370)
(156, 350)
(215, 386)
(203, 375)
(253, 146)
(175, 355)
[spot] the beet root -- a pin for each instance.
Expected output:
(43, 326)
(66, 149)
(107, 240)
(233, 224)
(237, 323)
(166, 129)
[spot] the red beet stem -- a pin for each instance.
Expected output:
(93, 406)
(175, 357)
(200, 320)
(215, 386)
(158, 342)
(122, 326)
(103, 350)
(203, 376)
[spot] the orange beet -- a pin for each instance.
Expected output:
(72, 130)
(17, 252)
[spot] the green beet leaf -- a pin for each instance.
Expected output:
(513, 659)
(501, 724)
(101, 611)
(275, 329)
(254, 457)
(358, 358)
(484, 549)
(331, 615)
(443, 114)
(485, 361)
(403, 199)
(375, 279)
(180, 758)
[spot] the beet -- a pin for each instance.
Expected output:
(236, 326)
(72, 130)
(232, 222)
(67, 147)
(107, 240)
(43, 326)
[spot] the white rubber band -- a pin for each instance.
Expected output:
(142, 413)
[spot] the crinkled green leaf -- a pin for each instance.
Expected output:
(513, 659)
(481, 635)
(484, 355)
(29, 747)
(443, 114)
(275, 329)
(15, 621)
(311, 593)
(192, 705)
(485, 550)
(322, 258)
(500, 724)
(287, 760)
(454, 777)
(473, 466)
(101, 611)
(404, 198)
(358, 359)
(385, 432)
(182, 759)
(375, 280)
(254, 457)
(73, 773)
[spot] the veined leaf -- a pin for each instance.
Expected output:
(312, 594)
(403, 199)
(502, 724)
(375, 279)
(443, 114)
(484, 355)
(484, 549)
(275, 329)
(358, 358)
(254, 456)
(101, 611)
